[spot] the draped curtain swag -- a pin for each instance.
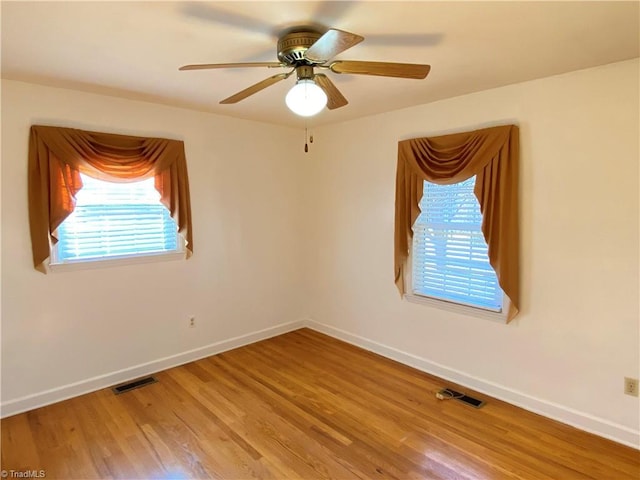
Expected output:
(58, 155)
(492, 154)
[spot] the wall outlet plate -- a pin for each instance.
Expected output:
(631, 386)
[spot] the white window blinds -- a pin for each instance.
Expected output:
(113, 220)
(449, 255)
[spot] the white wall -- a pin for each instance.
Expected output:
(69, 327)
(577, 335)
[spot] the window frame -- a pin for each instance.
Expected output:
(115, 261)
(57, 265)
(411, 296)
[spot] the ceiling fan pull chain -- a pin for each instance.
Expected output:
(306, 146)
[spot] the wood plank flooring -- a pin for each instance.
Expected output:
(305, 406)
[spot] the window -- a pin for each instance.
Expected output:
(493, 154)
(449, 255)
(116, 220)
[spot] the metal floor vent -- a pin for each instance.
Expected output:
(461, 397)
(141, 382)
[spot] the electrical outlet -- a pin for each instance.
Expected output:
(192, 322)
(631, 386)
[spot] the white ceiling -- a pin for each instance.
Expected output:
(134, 49)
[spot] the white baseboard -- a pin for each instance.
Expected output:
(581, 420)
(47, 397)
(575, 418)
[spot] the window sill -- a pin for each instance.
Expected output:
(115, 262)
(499, 317)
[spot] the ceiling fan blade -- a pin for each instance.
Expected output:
(383, 69)
(208, 66)
(267, 82)
(335, 99)
(331, 44)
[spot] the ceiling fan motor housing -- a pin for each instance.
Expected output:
(292, 46)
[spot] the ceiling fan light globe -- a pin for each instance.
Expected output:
(306, 98)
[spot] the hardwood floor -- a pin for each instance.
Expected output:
(301, 405)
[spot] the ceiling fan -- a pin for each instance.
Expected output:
(304, 49)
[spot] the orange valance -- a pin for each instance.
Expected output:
(58, 155)
(492, 155)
